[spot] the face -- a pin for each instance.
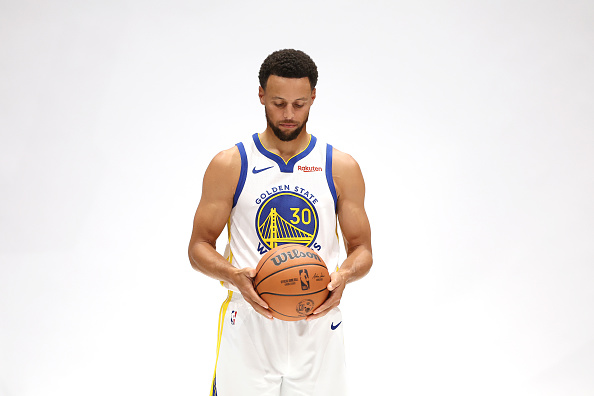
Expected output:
(286, 102)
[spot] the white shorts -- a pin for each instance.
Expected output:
(261, 357)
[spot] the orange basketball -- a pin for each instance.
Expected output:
(292, 279)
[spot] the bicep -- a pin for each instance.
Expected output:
(354, 224)
(218, 188)
(352, 216)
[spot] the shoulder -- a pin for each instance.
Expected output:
(227, 159)
(346, 173)
(343, 162)
(223, 172)
(226, 164)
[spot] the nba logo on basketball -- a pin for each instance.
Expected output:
(304, 276)
(233, 316)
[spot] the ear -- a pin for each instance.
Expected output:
(261, 94)
(313, 95)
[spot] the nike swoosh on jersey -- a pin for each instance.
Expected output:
(254, 171)
(333, 326)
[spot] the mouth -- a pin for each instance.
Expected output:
(288, 125)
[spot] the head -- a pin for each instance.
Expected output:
(287, 90)
(288, 63)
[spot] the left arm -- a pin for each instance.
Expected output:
(354, 224)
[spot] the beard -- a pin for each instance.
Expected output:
(285, 136)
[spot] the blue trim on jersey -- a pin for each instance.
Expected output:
(242, 174)
(329, 174)
(285, 167)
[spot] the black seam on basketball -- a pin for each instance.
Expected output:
(289, 245)
(293, 295)
(288, 316)
(293, 266)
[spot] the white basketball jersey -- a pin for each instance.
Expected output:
(278, 202)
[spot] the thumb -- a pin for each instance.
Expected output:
(334, 281)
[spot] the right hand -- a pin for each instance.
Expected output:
(243, 280)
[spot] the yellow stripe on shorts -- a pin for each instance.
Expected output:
(222, 312)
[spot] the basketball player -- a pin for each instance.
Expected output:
(288, 176)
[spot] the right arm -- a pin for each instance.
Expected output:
(218, 188)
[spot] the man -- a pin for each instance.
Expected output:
(287, 173)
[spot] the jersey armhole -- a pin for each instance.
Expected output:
(242, 174)
(329, 178)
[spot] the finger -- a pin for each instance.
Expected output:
(257, 303)
(258, 300)
(318, 313)
(247, 289)
(256, 297)
(264, 312)
(250, 295)
(330, 303)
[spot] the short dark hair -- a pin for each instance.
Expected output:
(288, 63)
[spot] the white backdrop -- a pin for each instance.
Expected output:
(473, 123)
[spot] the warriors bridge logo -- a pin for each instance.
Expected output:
(287, 216)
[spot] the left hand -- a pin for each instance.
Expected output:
(336, 287)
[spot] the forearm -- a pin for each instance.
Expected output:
(205, 259)
(357, 264)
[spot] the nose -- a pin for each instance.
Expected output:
(289, 113)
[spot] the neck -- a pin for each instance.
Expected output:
(285, 150)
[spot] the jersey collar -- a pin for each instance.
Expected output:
(285, 167)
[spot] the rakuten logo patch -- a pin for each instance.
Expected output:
(309, 168)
